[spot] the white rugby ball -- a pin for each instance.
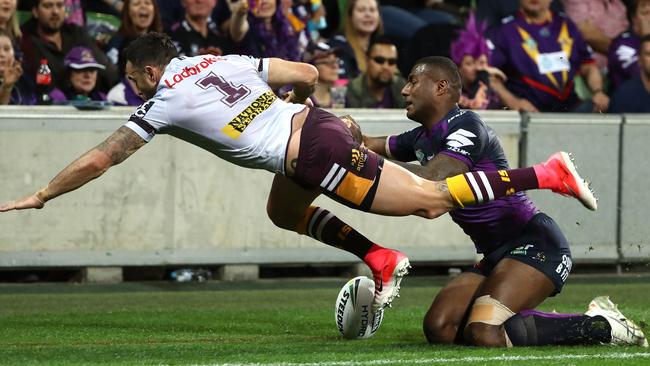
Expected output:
(353, 314)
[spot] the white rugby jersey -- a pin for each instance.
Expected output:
(222, 104)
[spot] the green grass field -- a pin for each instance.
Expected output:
(280, 322)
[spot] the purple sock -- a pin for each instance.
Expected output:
(537, 328)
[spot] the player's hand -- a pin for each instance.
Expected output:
(354, 127)
(22, 204)
(291, 97)
(600, 101)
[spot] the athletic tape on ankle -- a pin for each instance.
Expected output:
(508, 341)
(489, 311)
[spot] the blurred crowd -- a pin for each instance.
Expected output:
(527, 55)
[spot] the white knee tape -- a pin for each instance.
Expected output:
(489, 311)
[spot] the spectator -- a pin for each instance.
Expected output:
(172, 12)
(114, 7)
(312, 14)
(14, 86)
(493, 11)
(430, 40)
(45, 36)
(633, 96)
(326, 61)
(403, 18)
(234, 19)
(470, 52)
(541, 52)
(270, 33)
(141, 16)
(80, 80)
(232, 16)
(362, 22)
(124, 93)
(9, 20)
(74, 13)
(623, 56)
(197, 34)
(379, 86)
(599, 22)
(333, 17)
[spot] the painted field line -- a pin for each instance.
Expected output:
(464, 360)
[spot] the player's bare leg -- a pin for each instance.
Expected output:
(402, 193)
(288, 202)
(445, 320)
(289, 207)
(512, 286)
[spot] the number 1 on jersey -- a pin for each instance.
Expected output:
(232, 94)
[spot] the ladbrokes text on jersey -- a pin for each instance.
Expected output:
(191, 70)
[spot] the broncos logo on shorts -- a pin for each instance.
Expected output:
(358, 160)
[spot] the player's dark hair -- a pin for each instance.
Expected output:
(151, 48)
(442, 68)
(379, 39)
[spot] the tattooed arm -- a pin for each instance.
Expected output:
(437, 169)
(112, 151)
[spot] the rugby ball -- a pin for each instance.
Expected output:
(353, 314)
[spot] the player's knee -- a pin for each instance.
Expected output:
(279, 217)
(439, 329)
(485, 323)
(484, 335)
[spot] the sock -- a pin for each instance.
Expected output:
(480, 187)
(323, 226)
(536, 328)
(545, 177)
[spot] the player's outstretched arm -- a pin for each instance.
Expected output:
(112, 151)
(302, 76)
(376, 144)
(440, 167)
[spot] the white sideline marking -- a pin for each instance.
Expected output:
(469, 359)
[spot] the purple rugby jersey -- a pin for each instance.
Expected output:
(623, 58)
(541, 60)
(464, 136)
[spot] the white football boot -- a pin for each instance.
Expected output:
(624, 331)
